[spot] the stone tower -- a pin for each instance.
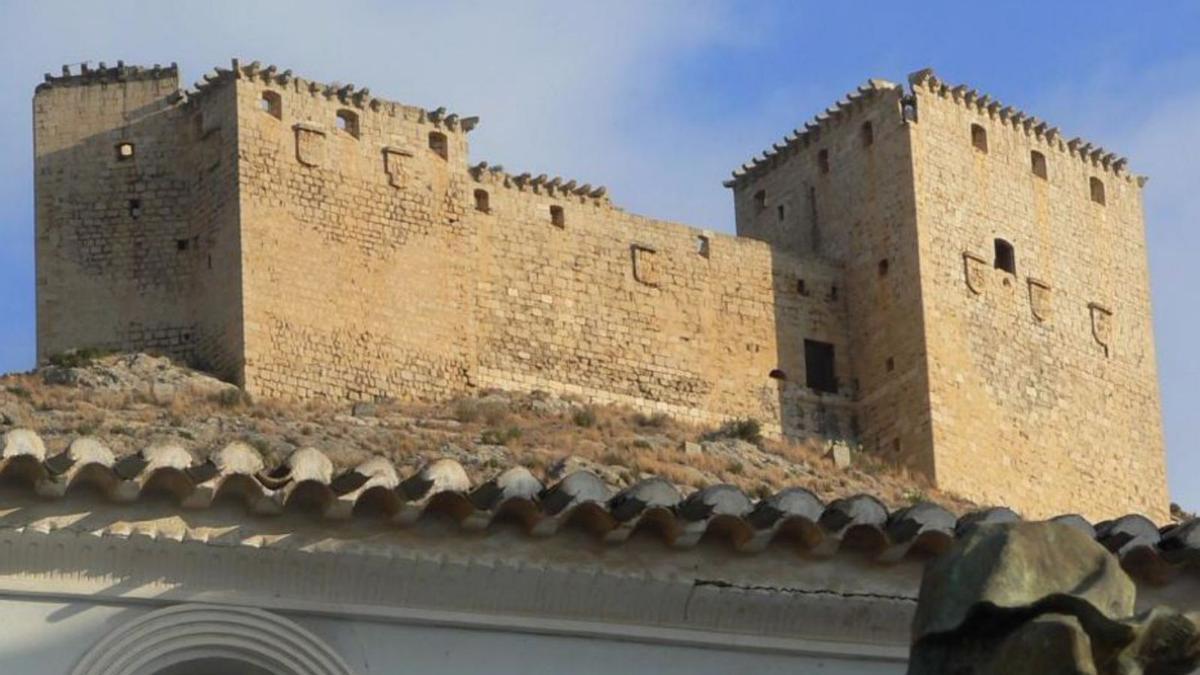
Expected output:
(940, 280)
(997, 290)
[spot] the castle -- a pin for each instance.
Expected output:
(938, 277)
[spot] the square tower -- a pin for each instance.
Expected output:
(997, 292)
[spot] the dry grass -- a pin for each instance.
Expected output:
(487, 433)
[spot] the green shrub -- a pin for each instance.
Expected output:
(654, 420)
(466, 410)
(229, 398)
(584, 417)
(77, 358)
(20, 392)
(499, 436)
(746, 429)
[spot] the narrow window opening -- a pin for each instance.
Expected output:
(868, 134)
(777, 374)
(780, 212)
(272, 104)
(896, 445)
(823, 161)
(702, 246)
(481, 201)
(210, 261)
(182, 245)
(1006, 257)
(833, 292)
(135, 208)
(760, 201)
(890, 364)
(883, 267)
(347, 121)
(818, 366)
(801, 287)
(439, 145)
(1097, 190)
(124, 151)
(1038, 163)
(558, 217)
(979, 138)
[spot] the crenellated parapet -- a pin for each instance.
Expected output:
(86, 75)
(348, 95)
(801, 138)
(927, 81)
(555, 187)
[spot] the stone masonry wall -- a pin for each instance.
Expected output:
(358, 264)
(109, 274)
(1040, 398)
(310, 240)
(841, 189)
(625, 309)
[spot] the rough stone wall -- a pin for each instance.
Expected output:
(109, 272)
(625, 309)
(358, 264)
(842, 190)
(1039, 399)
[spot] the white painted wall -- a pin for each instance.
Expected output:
(49, 637)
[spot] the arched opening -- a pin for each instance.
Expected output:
(214, 666)
(193, 639)
(777, 374)
(481, 201)
(1097, 187)
(979, 138)
(1006, 257)
(1037, 163)
(439, 145)
(271, 103)
(558, 217)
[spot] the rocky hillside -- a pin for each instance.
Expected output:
(131, 401)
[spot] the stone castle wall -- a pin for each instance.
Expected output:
(841, 190)
(1043, 382)
(309, 240)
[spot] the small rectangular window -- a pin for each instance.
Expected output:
(883, 267)
(271, 103)
(819, 366)
(481, 201)
(760, 201)
(135, 208)
(1097, 188)
(801, 287)
(702, 246)
(979, 138)
(181, 244)
(1038, 164)
(780, 212)
(124, 151)
(868, 134)
(1006, 257)
(347, 121)
(558, 217)
(823, 161)
(439, 145)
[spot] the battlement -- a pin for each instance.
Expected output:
(1022, 122)
(87, 75)
(346, 94)
(802, 138)
(555, 187)
(312, 240)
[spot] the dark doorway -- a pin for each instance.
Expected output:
(818, 366)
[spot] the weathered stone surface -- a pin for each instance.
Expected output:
(1042, 598)
(377, 262)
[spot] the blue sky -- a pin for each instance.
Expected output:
(660, 99)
